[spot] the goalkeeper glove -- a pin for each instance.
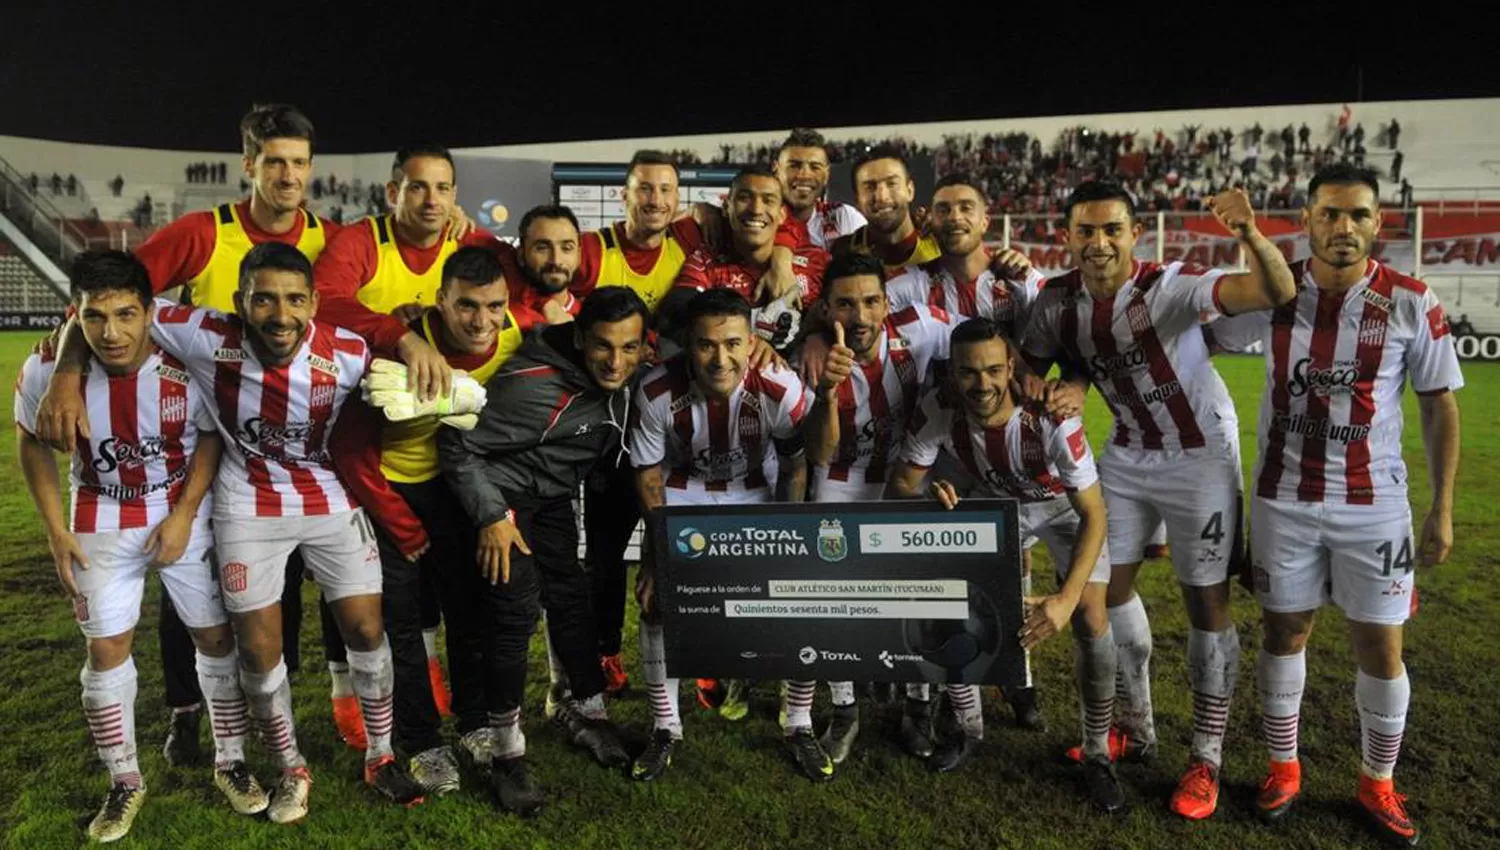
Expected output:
(384, 386)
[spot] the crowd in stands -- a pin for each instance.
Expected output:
(359, 198)
(207, 172)
(1165, 171)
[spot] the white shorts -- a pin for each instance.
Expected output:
(853, 490)
(1360, 557)
(111, 588)
(1055, 523)
(1196, 492)
(340, 551)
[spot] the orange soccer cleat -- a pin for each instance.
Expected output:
(1279, 789)
(1388, 810)
(1197, 794)
(350, 722)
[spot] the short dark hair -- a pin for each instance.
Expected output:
(804, 137)
(959, 178)
(611, 304)
(1343, 174)
(266, 121)
(472, 264)
(881, 151)
(412, 151)
(649, 157)
(1098, 190)
(851, 265)
(713, 302)
(976, 330)
(107, 270)
(547, 211)
(273, 255)
(753, 171)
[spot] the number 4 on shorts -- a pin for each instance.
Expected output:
(1402, 560)
(1214, 530)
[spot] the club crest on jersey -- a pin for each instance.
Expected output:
(322, 395)
(832, 545)
(235, 578)
(323, 364)
(1138, 316)
(1372, 331)
(176, 376)
(1370, 296)
(173, 410)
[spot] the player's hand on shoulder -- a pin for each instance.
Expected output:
(763, 356)
(1010, 264)
(61, 417)
(408, 313)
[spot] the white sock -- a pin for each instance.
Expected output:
(109, 707)
(1213, 665)
(1132, 630)
(920, 691)
(510, 741)
(338, 673)
(966, 709)
(797, 700)
(374, 680)
(556, 675)
(219, 680)
(270, 699)
(429, 640)
(1382, 720)
(1095, 659)
(1282, 679)
(661, 690)
(842, 692)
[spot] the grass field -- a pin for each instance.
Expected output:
(730, 786)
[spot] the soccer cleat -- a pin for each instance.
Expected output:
(558, 695)
(350, 722)
(736, 702)
(514, 789)
(1197, 793)
(442, 697)
(710, 694)
(809, 755)
(181, 749)
(838, 738)
(955, 750)
(436, 770)
(1023, 703)
(616, 680)
(240, 787)
(1279, 790)
(390, 781)
(1122, 747)
(597, 735)
(1388, 811)
(1157, 552)
(121, 805)
(289, 800)
(478, 745)
(1105, 793)
(916, 728)
(656, 758)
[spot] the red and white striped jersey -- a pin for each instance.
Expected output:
(707, 269)
(878, 398)
(716, 450)
(830, 220)
(143, 428)
(1336, 365)
(1144, 350)
(276, 421)
(1004, 302)
(1032, 457)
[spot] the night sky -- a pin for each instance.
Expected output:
(508, 73)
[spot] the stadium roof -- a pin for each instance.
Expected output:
(503, 74)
